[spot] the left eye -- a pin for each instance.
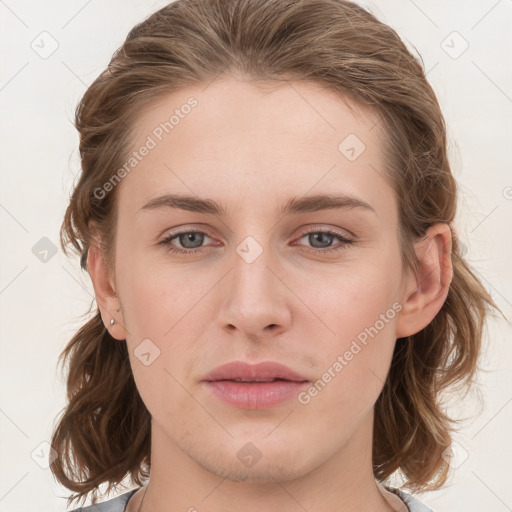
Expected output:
(325, 238)
(192, 241)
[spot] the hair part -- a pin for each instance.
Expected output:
(104, 431)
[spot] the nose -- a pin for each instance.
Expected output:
(256, 299)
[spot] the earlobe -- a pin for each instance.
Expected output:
(106, 295)
(425, 292)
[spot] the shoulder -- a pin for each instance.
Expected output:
(413, 504)
(117, 504)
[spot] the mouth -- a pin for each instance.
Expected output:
(265, 371)
(258, 380)
(259, 386)
(255, 394)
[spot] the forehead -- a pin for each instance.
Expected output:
(233, 139)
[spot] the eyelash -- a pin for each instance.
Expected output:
(166, 242)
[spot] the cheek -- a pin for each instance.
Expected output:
(168, 386)
(157, 296)
(355, 335)
(160, 305)
(347, 301)
(351, 375)
(164, 393)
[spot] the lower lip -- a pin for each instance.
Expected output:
(255, 395)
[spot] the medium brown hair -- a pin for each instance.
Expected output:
(103, 434)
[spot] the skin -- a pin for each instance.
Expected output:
(253, 148)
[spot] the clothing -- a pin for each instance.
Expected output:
(119, 503)
(412, 503)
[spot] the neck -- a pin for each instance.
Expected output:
(343, 482)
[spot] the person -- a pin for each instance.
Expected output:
(265, 209)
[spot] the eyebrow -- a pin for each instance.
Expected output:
(312, 203)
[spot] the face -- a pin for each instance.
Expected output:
(316, 288)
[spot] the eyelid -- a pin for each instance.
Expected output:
(186, 228)
(348, 235)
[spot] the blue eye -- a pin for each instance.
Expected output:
(325, 237)
(196, 238)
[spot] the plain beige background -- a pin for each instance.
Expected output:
(52, 50)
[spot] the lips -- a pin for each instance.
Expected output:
(266, 371)
(254, 386)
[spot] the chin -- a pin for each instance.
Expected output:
(261, 475)
(266, 470)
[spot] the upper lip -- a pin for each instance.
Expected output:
(264, 371)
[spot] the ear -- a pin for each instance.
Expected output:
(425, 292)
(106, 295)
